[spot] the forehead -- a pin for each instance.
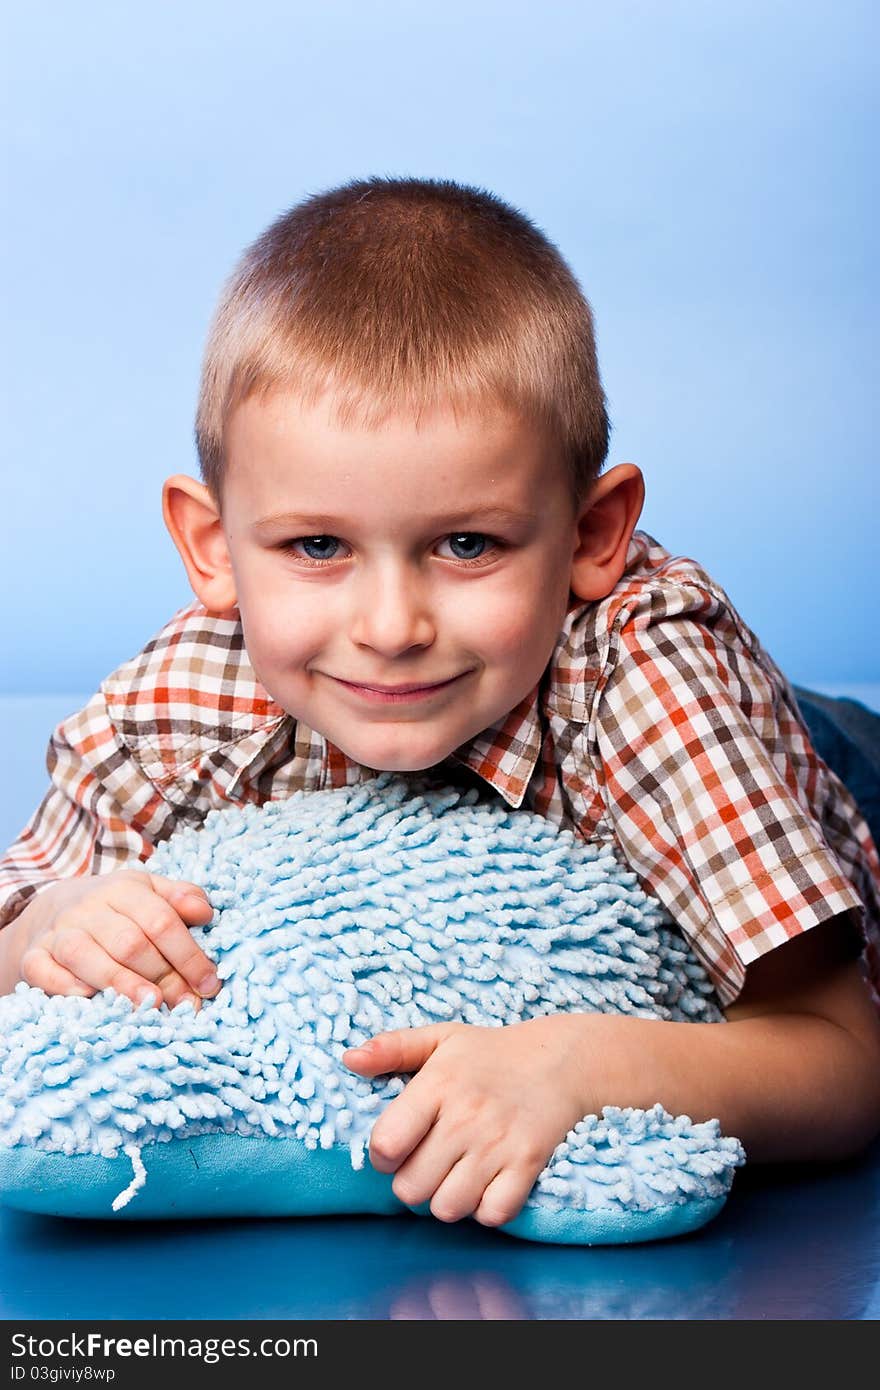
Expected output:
(280, 451)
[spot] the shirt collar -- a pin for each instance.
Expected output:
(505, 754)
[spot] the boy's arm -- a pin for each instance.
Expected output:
(794, 1074)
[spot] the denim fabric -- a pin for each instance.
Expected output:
(846, 735)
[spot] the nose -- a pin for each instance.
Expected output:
(392, 613)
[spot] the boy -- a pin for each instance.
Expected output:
(405, 557)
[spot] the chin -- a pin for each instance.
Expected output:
(406, 759)
(402, 763)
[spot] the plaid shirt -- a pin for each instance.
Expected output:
(660, 726)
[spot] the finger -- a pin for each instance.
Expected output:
(401, 1126)
(40, 969)
(461, 1191)
(504, 1196)
(85, 957)
(428, 1167)
(122, 937)
(404, 1049)
(188, 899)
(162, 925)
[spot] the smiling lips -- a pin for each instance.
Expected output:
(399, 689)
(397, 692)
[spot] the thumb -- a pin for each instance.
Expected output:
(403, 1049)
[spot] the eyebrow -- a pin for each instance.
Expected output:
(321, 522)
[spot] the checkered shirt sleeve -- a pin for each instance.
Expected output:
(714, 791)
(177, 730)
(99, 813)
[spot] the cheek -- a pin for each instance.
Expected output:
(276, 629)
(284, 639)
(499, 623)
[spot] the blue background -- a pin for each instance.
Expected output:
(708, 171)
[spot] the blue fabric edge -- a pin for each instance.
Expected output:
(244, 1176)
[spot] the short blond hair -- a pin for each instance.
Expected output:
(399, 294)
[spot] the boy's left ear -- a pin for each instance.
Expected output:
(605, 523)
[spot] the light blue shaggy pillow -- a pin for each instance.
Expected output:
(337, 915)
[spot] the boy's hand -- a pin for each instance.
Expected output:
(127, 929)
(477, 1124)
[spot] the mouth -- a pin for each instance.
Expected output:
(399, 692)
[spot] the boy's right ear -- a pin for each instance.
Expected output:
(196, 527)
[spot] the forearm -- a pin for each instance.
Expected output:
(790, 1086)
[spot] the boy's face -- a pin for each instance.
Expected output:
(368, 558)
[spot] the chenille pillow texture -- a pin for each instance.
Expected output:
(393, 903)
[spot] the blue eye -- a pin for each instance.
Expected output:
(469, 538)
(319, 542)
